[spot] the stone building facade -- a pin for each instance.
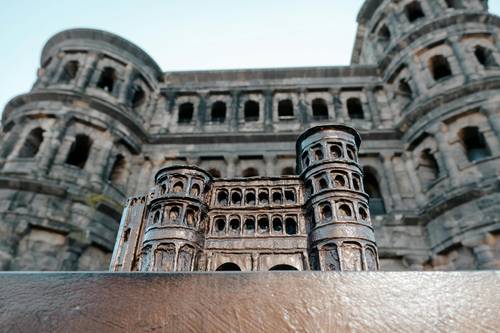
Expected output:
(103, 118)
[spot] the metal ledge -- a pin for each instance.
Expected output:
(251, 302)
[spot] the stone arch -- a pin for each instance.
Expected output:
(285, 109)
(319, 109)
(186, 111)
(250, 172)
(251, 111)
(291, 227)
(372, 188)
(218, 112)
(440, 67)
(414, 11)
(288, 171)
(32, 143)
(427, 168)
(119, 174)
(283, 267)
(485, 56)
(69, 71)
(355, 108)
(107, 79)
(474, 143)
(79, 151)
(228, 267)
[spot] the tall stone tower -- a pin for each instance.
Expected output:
(67, 151)
(341, 235)
(441, 64)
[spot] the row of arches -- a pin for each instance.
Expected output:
(474, 146)
(77, 155)
(249, 225)
(334, 180)
(255, 197)
(340, 210)
(179, 214)
(232, 267)
(184, 185)
(252, 112)
(167, 257)
(345, 256)
(328, 151)
(107, 81)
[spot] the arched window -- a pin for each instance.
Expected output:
(107, 79)
(214, 172)
(428, 169)
(69, 71)
(32, 143)
(474, 143)
(263, 224)
(234, 224)
(218, 114)
(186, 111)
(376, 202)
(414, 11)
(440, 67)
(283, 268)
(138, 97)
(288, 171)
(319, 109)
(236, 198)
(222, 198)
(277, 225)
(384, 36)
(285, 109)
(250, 198)
(249, 225)
(250, 172)
(79, 151)
(404, 88)
(228, 267)
(251, 111)
(355, 108)
(118, 173)
(485, 56)
(220, 224)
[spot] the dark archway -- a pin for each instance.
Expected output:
(228, 267)
(283, 267)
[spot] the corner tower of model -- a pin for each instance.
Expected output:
(167, 229)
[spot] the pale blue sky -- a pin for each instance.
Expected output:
(187, 34)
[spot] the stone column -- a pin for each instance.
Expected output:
(420, 80)
(87, 71)
(46, 75)
(202, 111)
(372, 106)
(231, 165)
(268, 110)
(440, 133)
(234, 114)
(101, 155)
(303, 115)
(493, 119)
(123, 94)
(459, 52)
(337, 106)
(270, 161)
(52, 142)
(411, 170)
(391, 180)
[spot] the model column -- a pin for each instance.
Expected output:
(341, 236)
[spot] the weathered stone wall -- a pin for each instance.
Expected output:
(422, 90)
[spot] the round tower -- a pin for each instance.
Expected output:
(67, 149)
(177, 212)
(341, 236)
(440, 61)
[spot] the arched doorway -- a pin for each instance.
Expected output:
(283, 267)
(228, 267)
